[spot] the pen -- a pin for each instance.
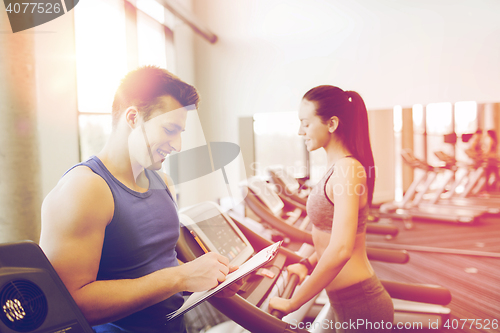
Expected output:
(198, 240)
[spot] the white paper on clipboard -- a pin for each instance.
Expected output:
(257, 261)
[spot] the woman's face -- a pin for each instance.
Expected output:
(315, 132)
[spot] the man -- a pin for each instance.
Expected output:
(110, 225)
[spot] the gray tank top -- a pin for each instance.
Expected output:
(320, 208)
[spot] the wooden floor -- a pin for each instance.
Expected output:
(472, 274)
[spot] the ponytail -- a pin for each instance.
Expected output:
(359, 143)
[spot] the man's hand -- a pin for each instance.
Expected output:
(233, 288)
(205, 272)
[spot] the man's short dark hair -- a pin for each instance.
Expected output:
(144, 86)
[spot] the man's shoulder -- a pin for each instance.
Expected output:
(82, 178)
(81, 187)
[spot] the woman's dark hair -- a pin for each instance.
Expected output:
(352, 131)
(143, 88)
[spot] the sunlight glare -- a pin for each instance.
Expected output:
(101, 57)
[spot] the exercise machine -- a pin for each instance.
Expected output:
(248, 307)
(412, 205)
(292, 212)
(267, 205)
(32, 296)
(406, 301)
(297, 191)
(448, 172)
(451, 197)
(222, 234)
(293, 190)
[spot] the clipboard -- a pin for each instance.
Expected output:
(257, 261)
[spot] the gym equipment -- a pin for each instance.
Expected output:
(245, 308)
(290, 224)
(475, 206)
(477, 171)
(288, 184)
(490, 205)
(294, 191)
(412, 301)
(412, 205)
(406, 296)
(290, 210)
(32, 296)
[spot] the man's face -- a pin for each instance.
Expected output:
(151, 141)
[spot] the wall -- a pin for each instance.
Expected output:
(382, 140)
(402, 52)
(56, 98)
(392, 52)
(19, 167)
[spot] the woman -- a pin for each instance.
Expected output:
(337, 121)
(474, 150)
(490, 160)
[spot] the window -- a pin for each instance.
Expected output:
(466, 118)
(150, 41)
(109, 43)
(438, 121)
(418, 116)
(398, 168)
(277, 143)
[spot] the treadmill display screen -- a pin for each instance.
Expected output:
(267, 195)
(222, 236)
(216, 232)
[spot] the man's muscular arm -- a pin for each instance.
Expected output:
(74, 218)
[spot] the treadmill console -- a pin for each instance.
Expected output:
(291, 183)
(216, 231)
(266, 194)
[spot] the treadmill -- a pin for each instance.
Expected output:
(295, 190)
(412, 205)
(220, 233)
(289, 211)
(407, 308)
(451, 202)
(490, 204)
(248, 307)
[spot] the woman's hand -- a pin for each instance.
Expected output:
(298, 269)
(281, 304)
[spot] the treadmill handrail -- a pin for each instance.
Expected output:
(251, 317)
(424, 293)
(293, 281)
(237, 308)
(294, 233)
